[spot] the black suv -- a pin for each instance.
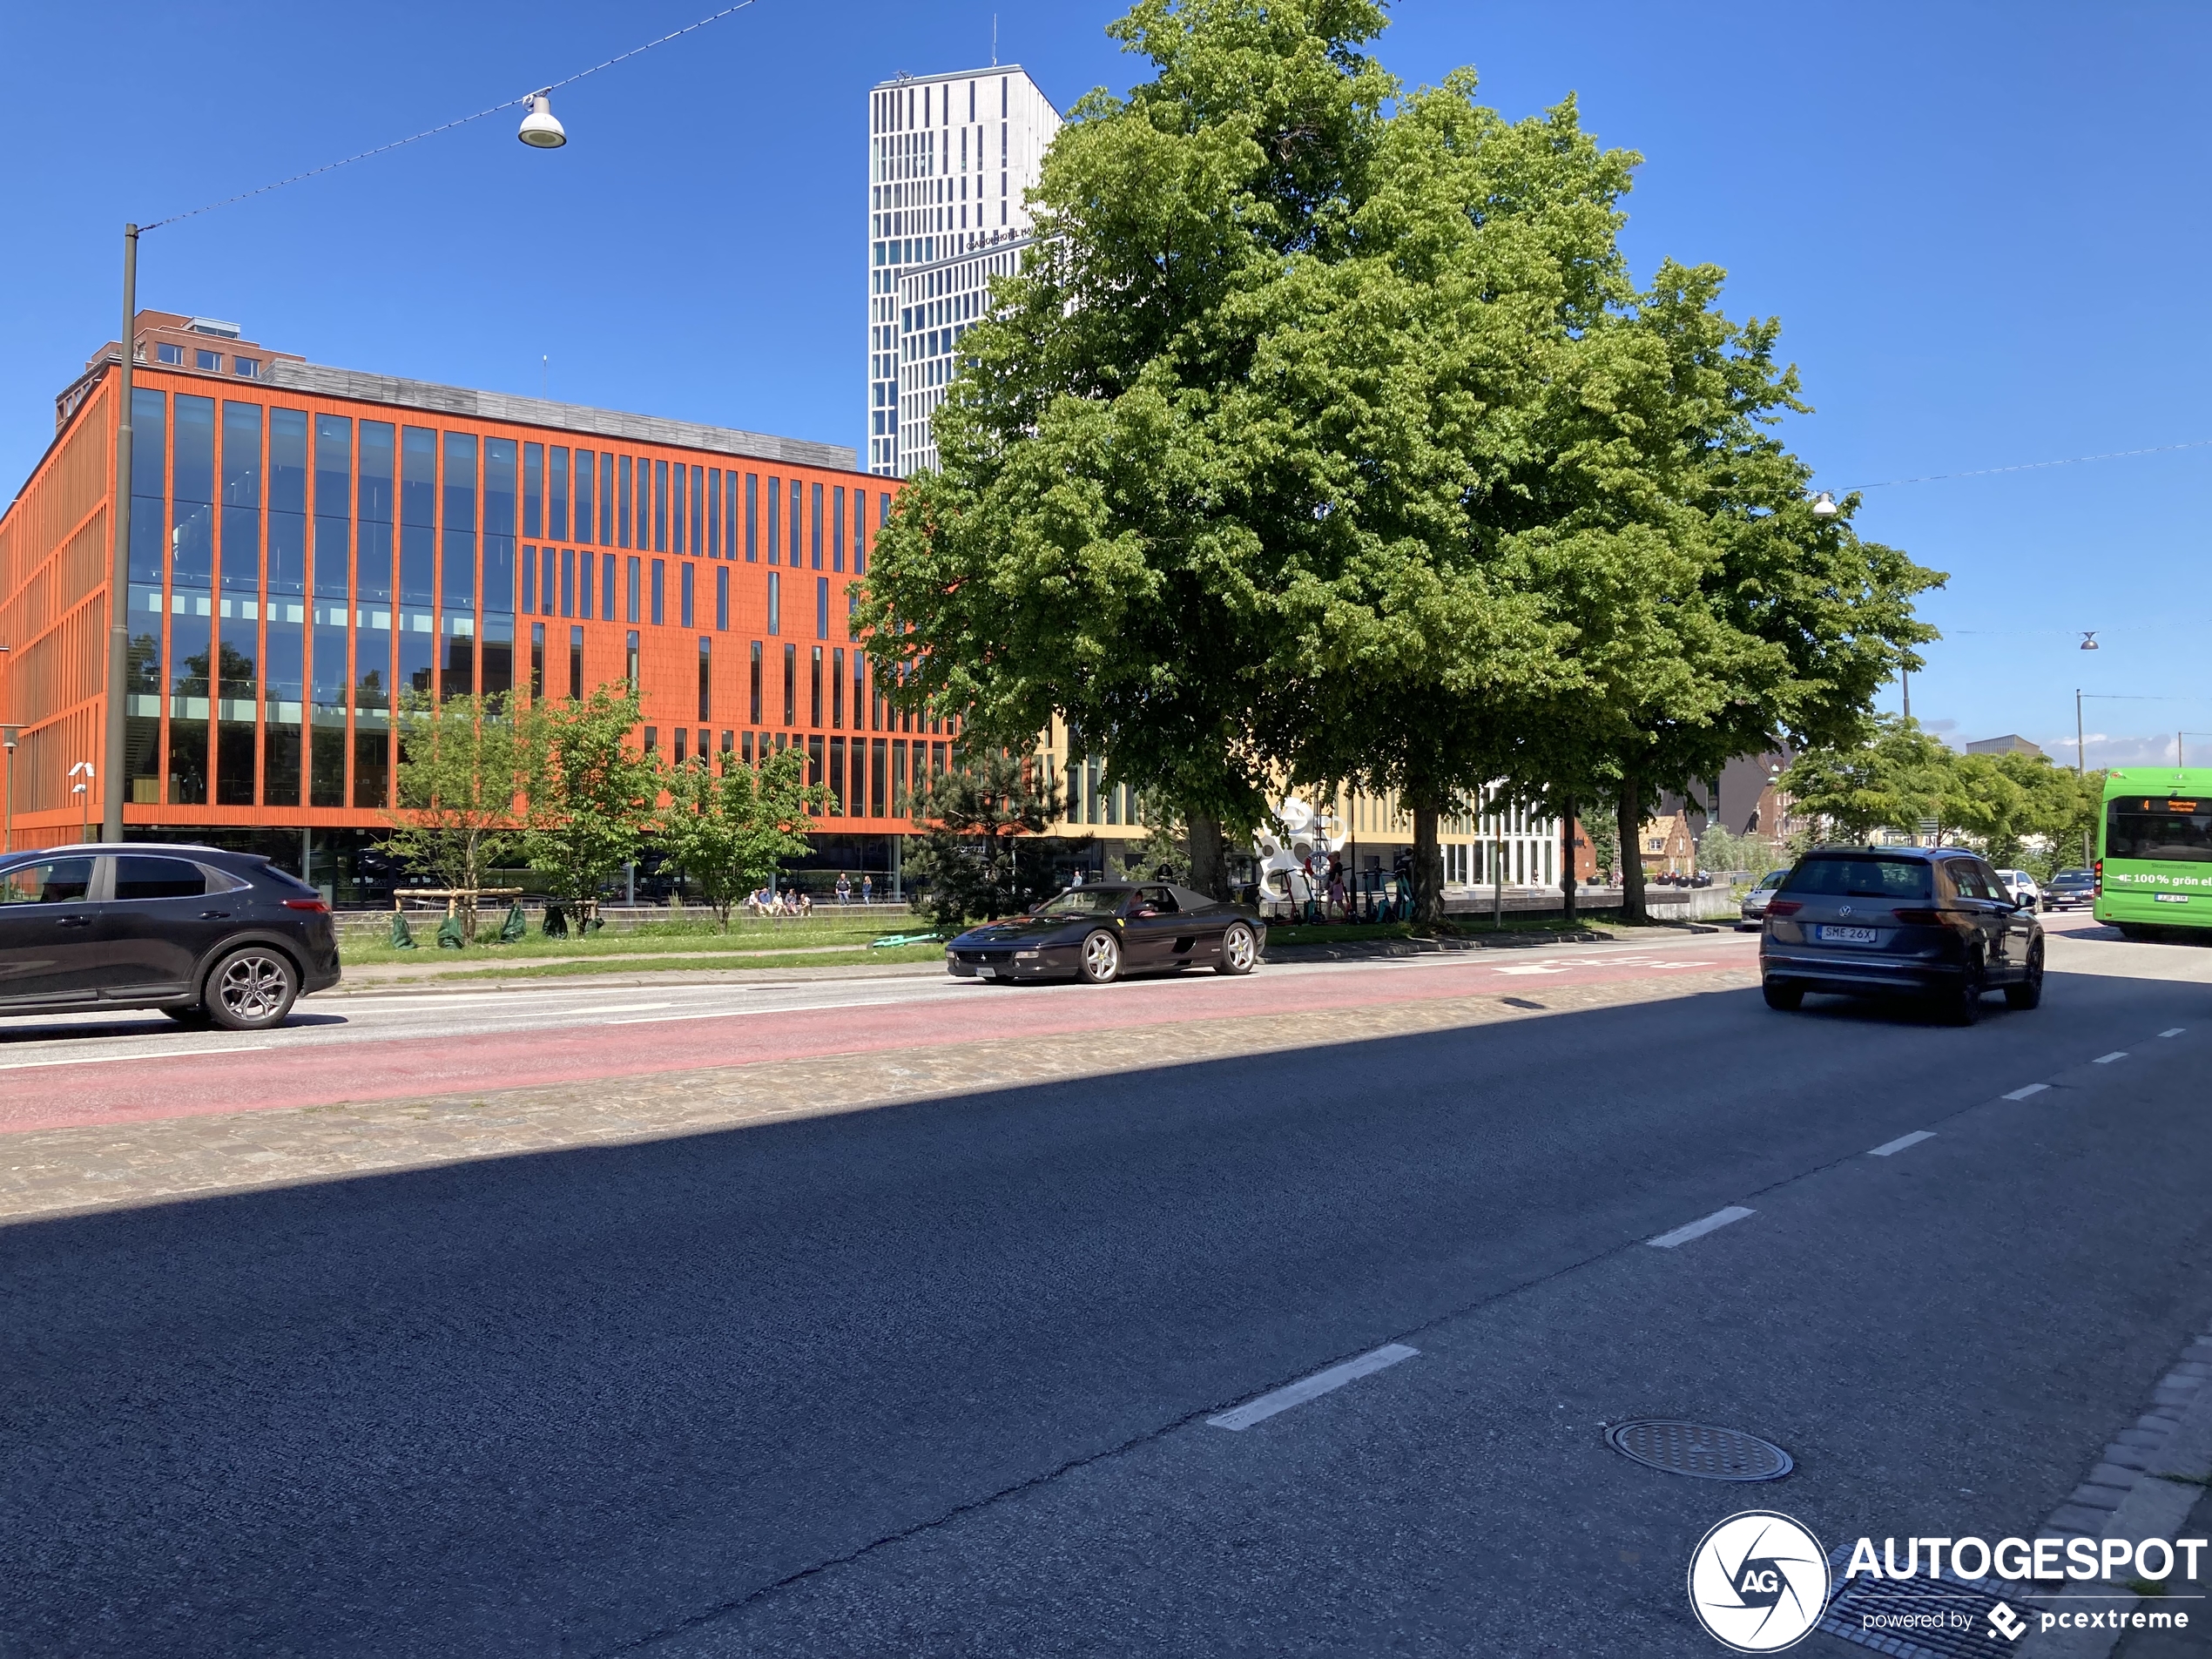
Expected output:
(201, 933)
(1900, 920)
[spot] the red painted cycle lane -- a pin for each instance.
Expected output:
(309, 1072)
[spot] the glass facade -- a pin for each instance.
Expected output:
(296, 571)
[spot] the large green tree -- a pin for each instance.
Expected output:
(1325, 439)
(981, 856)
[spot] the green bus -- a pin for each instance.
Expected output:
(2154, 850)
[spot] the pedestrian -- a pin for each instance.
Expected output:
(806, 902)
(844, 890)
(868, 891)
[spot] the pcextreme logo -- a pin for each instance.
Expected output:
(1758, 1581)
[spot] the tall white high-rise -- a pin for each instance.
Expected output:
(950, 158)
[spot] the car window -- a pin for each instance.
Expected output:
(1084, 902)
(139, 877)
(1998, 888)
(1159, 899)
(1860, 876)
(54, 881)
(1966, 880)
(1772, 879)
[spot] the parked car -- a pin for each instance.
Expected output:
(1099, 932)
(202, 933)
(2023, 887)
(2069, 888)
(1753, 907)
(1900, 921)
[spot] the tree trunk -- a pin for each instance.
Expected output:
(1566, 859)
(1428, 869)
(1630, 825)
(1208, 855)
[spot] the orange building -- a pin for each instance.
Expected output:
(306, 539)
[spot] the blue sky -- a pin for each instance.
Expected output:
(1979, 224)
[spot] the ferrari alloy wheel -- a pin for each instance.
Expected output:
(251, 989)
(1240, 950)
(1101, 958)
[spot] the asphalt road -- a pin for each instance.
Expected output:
(936, 1380)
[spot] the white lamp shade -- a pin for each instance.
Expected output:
(540, 130)
(1823, 505)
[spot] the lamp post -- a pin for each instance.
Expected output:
(540, 131)
(8, 735)
(83, 769)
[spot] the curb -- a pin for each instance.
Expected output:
(2127, 1493)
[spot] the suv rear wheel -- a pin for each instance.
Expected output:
(2029, 992)
(251, 989)
(1961, 1005)
(1789, 998)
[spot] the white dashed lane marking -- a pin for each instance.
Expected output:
(2107, 1059)
(2023, 1093)
(1718, 1220)
(2173, 1032)
(1321, 1382)
(1891, 1148)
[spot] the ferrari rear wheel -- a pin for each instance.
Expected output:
(1240, 950)
(1101, 958)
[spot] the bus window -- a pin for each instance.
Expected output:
(2161, 828)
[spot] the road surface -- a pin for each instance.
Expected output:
(938, 1378)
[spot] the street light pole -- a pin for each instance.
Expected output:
(2080, 764)
(118, 584)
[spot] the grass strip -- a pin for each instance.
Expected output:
(690, 964)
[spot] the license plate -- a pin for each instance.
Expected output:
(1831, 935)
(987, 973)
(2171, 898)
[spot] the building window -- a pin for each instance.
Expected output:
(754, 717)
(529, 578)
(210, 361)
(174, 356)
(247, 369)
(775, 519)
(818, 527)
(583, 465)
(775, 601)
(752, 517)
(814, 703)
(837, 691)
(538, 661)
(798, 513)
(533, 489)
(660, 507)
(687, 581)
(607, 587)
(722, 599)
(837, 528)
(681, 737)
(576, 665)
(707, 685)
(606, 500)
(631, 615)
(630, 664)
(568, 583)
(660, 591)
(652, 739)
(821, 607)
(698, 526)
(714, 512)
(859, 532)
(622, 515)
(557, 493)
(682, 541)
(791, 685)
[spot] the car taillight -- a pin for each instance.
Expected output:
(315, 905)
(2097, 870)
(1783, 907)
(1919, 918)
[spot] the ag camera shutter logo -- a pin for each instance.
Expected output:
(1758, 1581)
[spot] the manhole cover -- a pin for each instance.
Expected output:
(1696, 1449)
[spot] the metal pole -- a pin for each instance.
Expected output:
(119, 581)
(2081, 767)
(1905, 676)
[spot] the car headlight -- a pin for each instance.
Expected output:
(1025, 955)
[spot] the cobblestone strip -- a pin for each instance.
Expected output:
(58, 1171)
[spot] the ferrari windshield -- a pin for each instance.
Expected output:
(1084, 901)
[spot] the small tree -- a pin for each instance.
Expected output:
(591, 794)
(974, 860)
(465, 764)
(730, 834)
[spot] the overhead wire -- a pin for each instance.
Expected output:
(448, 127)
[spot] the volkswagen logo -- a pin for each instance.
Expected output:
(1758, 1581)
(1842, 910)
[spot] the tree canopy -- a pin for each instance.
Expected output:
(1323, 439)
